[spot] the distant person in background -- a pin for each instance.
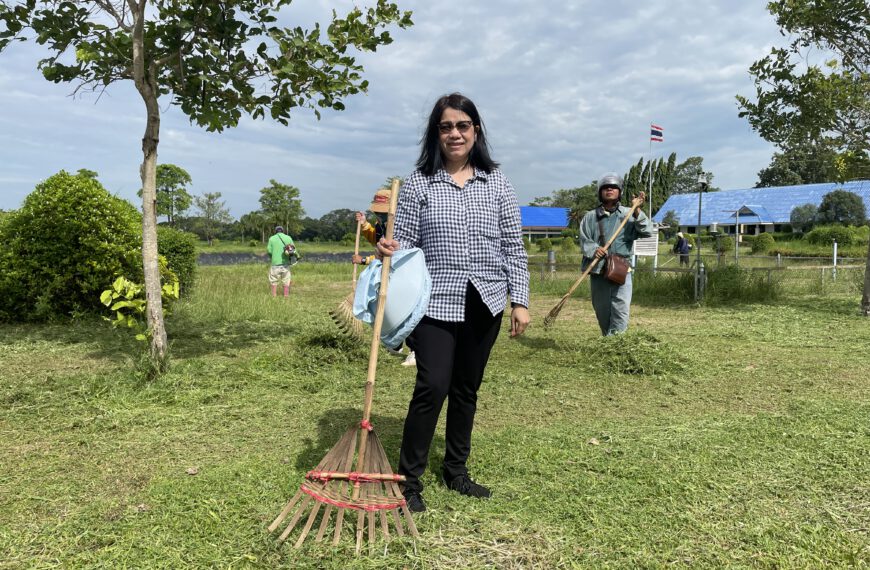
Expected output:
(610, 300)
(381, 207)
(682, 249)
(279, 248)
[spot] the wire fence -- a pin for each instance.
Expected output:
(665, 278)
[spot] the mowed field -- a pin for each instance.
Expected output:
(734, 436)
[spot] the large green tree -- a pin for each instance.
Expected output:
(281, 206)
(807, 162)
(842, 207)
(817, 88)
(216, 60)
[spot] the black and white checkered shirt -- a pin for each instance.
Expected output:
(467, 234)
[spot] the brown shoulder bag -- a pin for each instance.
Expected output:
(615, 266)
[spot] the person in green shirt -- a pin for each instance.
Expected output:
(610, 300)
(280, 259)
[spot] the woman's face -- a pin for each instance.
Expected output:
(456, 135)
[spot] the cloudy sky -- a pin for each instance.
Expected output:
(567, 90)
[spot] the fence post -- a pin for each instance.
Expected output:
(551, 261)
(834, 268)
(779, 260)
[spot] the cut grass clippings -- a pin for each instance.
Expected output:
(711, 437)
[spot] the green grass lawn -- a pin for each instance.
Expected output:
(743, 443)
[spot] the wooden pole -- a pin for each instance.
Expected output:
(376, 335)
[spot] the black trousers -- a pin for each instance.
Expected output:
(451, 358)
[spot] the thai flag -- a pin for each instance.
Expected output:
(656, 133)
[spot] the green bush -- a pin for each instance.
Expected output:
(67, 243)
(253, 243)
(825, 235)
(763, 243)
(726, 244)
(544, 245)
(348, 239)
(568, 245)
(179, 249)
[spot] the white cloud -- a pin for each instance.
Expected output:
(567, 91)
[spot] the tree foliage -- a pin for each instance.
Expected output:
(803, 218)
(806, 163)
(213, 212)
(217, 60)
(797, 100)
(173, 198)
(842, 207)
(281, 206)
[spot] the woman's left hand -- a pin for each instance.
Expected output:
(519, 320)
(386, 247)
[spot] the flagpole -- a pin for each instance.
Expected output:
(649, 161)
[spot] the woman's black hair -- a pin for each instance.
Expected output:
(430, 160)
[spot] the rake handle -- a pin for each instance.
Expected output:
(634, 205)
(376, 330)
(356, 251)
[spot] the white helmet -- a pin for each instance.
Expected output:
(610, 179)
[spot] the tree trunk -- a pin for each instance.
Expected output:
(865, 298)
(145, 78)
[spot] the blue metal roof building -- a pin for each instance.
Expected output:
(757, 206)
(543, 222)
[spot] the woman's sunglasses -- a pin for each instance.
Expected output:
(461, 126)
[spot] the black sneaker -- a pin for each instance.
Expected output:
(463, 485)
(414, 501)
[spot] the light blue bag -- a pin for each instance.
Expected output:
(407, 295)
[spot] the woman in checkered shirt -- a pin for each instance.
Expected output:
(463, 213)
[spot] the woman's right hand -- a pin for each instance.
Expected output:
(360, 217)
(386, 247)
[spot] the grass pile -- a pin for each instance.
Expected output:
(636, 352)
(722, 436)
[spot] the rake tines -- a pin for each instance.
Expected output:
(344, 319)
(371, 492)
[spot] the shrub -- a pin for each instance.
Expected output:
(66, 244)
(568, 245)
(726, 244)
(544, 245)
(179, 249)
(763, 243)
(824, 235)
(253, 243)
(348, 239)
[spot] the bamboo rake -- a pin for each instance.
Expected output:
(370, 488)
(343, 313)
